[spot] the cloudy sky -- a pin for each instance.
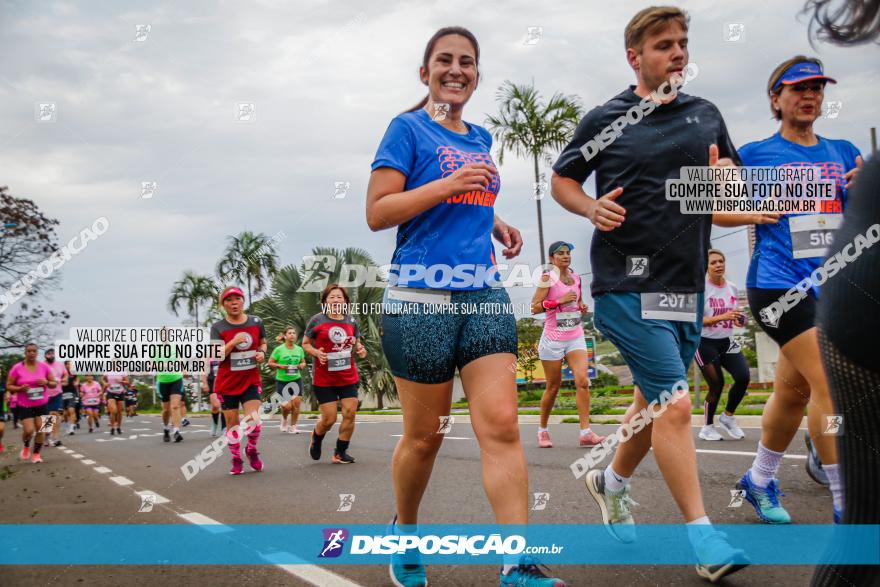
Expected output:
(326, 77)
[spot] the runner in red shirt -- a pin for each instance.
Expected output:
(238, 379)
(332, 337)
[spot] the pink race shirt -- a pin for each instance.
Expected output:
(114, 381)
(35, 394)
(90, 393)
(564, 321)
(60, 371)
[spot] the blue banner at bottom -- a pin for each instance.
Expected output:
(362, 544)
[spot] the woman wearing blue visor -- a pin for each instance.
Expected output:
(784, 277)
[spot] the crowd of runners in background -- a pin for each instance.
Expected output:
(410, 190)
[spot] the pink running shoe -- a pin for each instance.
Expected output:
(25, 453)
(36, 458)
(591, 439)
(544, 440)
(237, 465)
(254, 459)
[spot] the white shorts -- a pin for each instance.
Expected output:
(555, 350)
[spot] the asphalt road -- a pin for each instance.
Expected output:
(97, 481)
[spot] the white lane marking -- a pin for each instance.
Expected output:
(145, 421)
(140, 429)
(208, 524)
(744, 453)
(87, 462)
(133, 436)
(317, 576)
(77, 456)
(103, 470)
(158, 498)
(122, 481)
(68, 451)
(446, 437)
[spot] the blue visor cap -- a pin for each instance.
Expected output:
(558, 245)
(801, 72)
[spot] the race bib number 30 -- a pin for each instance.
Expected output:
(243, 360)
(812, 235)
(339, 361)
(680, 307)
(35, 393)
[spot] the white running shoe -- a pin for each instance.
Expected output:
(292, 429)
(284, 425)
(708, 432)
(729, 425)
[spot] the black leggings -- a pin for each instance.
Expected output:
(712, 356)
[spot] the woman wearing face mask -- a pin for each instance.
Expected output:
(434, 179)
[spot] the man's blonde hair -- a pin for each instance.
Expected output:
(650, 20)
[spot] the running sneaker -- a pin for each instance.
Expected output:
(214, 429)
(184, 422)
(708, 432)
(717, 558)
(36, 458)
(590, 439)
(90, 430)
(97, 423)
(25, 453)
(528, 574)
(342, 458)
(253, 456)
(838, 515)
(112, 431)
(544, 440)
(765, 501)
(237, 465)
(729, 425)
(119, 431)
(166, 437)
(57, 443)
(315, 447)
(614, 505)
(814, 464)
(292, 429)
(284, 425)
(406, 570)
(178, 436)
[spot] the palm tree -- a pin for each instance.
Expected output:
(531, 129)
(250, 258)
(192, 291)
(287, 305)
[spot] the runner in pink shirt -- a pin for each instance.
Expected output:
(90, 395)
(560, 297)
(30, 380)
(115, 383)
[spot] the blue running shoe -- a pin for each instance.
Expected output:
(814, 464)
(765, 501)
(716, 558)
(838, 516)
(406, 570)
(528, 574)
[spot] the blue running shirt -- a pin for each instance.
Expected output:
(451, 242)
(773, 265)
